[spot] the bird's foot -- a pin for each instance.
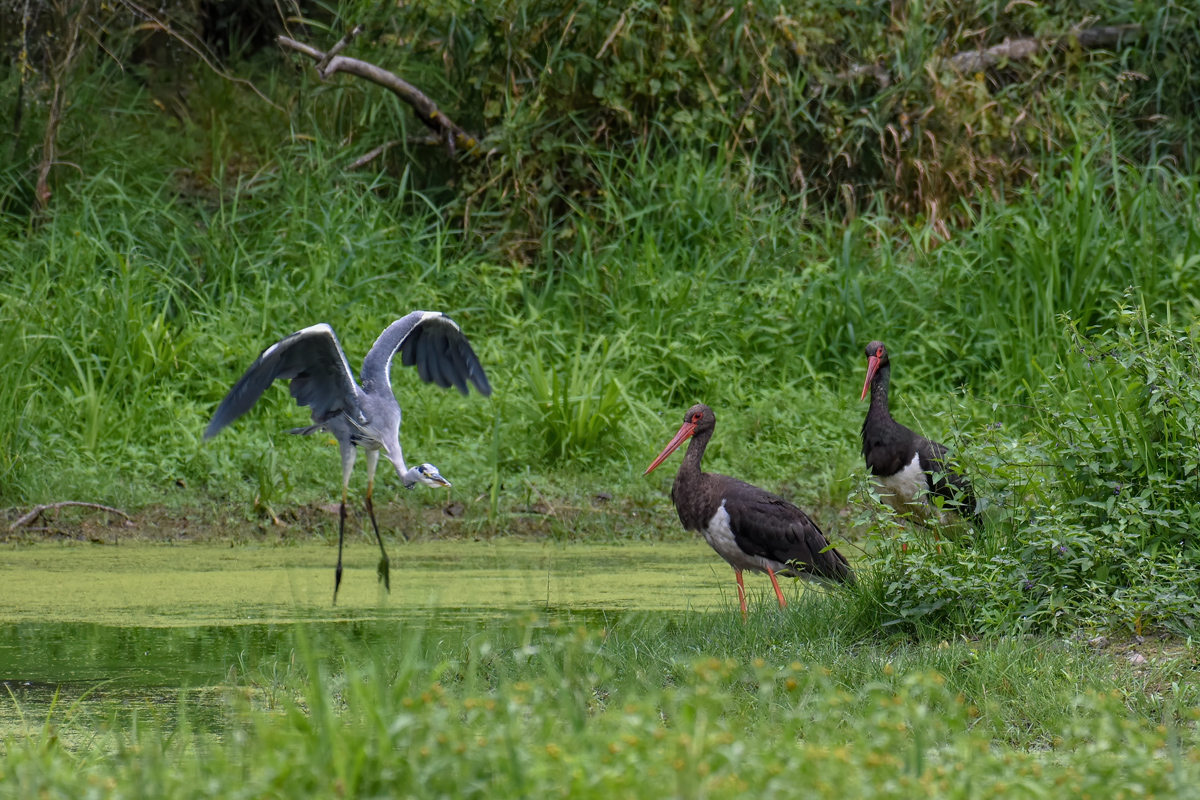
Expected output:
(385, 575)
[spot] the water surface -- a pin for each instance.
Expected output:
(136, 624)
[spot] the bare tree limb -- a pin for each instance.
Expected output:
(337, 48)
(376, 153)
(59, 73)
(1020, 49)
(1106, 35)
(1009, 50)
(426, 110)
(37, 510)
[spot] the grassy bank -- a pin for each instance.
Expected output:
(131, 311)
(193, 239)
(701, 705)
(641, 236)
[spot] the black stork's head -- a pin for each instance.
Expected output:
(698, 419)
(877, 356)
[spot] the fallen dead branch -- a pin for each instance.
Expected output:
(1009, 50)
(362, 161)
(1020, 49)
(328, 64)
(38, 510)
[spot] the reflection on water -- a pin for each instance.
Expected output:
(136, 629)
(107, 669)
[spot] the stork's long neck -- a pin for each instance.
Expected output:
(879, 394)
(688, 492)
(879, 427)
(689, 471)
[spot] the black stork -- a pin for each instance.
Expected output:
(908, 467)
(747, 526)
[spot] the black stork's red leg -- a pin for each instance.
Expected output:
(749, 527)
(741, 593)
(907, 467)
(778, 592)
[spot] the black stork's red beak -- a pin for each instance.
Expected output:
(685, 431)
(872, 366)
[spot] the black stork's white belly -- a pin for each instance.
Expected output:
(908, 492)
(719, 535)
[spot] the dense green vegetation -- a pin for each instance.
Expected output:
(130, 312)
(670, 204)
(640, 705)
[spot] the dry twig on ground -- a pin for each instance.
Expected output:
(38, 510)
(970, 61)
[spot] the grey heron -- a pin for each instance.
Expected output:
(365, 416)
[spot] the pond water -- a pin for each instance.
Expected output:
(138, 624)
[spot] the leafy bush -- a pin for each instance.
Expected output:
(1097, 507)
(578, 402)
(769, 87)
(789, 98)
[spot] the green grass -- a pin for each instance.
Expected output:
(696, 705)
(132, 310)
(632, 280)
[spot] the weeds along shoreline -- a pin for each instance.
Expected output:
(675, 203)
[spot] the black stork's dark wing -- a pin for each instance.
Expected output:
(945, 481)
(766, 525)
(431, 341)
(313, 361)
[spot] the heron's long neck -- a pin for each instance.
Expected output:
(409, 476)
(396, 456)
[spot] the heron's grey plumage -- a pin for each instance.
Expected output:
(433, 343)
(312, 359)
(366, 416)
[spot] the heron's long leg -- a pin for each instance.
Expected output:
(384, 568)
(348, 455)
(741, 592)
(778, 593)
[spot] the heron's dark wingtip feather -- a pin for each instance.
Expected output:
(217, 423)
(422, 355)
(472, 368)
(443, 369)
(451, 367)
(480, 382)
(478, 376)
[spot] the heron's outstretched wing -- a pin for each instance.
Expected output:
(431, 341)
(313, 361)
